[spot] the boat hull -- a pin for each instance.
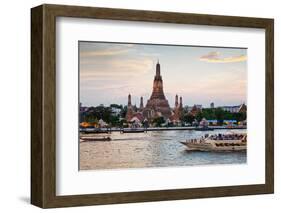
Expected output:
(132, 130)
(209, 147)
(94, 139)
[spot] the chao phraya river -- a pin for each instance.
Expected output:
(151, 149)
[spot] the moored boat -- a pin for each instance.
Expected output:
(132, 130)
(94, 130)
(93, 139)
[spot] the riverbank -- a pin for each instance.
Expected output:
(114, 129)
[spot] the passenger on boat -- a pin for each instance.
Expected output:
(227, 137)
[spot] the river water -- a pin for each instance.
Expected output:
(151, 149)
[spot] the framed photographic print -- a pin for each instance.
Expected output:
(136, 106)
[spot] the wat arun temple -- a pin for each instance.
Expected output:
(157, 105)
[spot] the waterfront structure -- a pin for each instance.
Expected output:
(176, 101)
(115, 111)
(188, 108)
(82, 112)
(181, 106)
(198, 106)
(130, 110)
(178, 110)
(242, 108)
(235, 109)
(141, 103)
(213, 122)
(157, 105)
(137, 119)
(195, 109)
(232, 109)
(82, 108)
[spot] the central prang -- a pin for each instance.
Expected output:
(157, 105)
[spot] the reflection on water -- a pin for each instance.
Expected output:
(151, 149)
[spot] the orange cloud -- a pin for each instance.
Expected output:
(215, 57)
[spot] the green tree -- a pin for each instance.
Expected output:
(188, 118)
(158, 121)
(116, 106)
(219, 113)
(209, 114)
(99, 112)
(199, 116)
(90, 118)
(240, 116)
(124, 111)
(114, 121)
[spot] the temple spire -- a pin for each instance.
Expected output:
(129, 100)
(176, 101)
(157, 104)
(158, 69)
(130, 111)
(181, 102)
(157, 92)
(141, 103)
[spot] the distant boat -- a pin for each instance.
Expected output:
(93, 139)
(133, 130)
(203, 129)
(94, 130)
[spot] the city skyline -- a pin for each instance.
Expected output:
(201, 75)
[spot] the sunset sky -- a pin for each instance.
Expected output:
(201, 75)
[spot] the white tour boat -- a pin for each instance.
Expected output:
(218, 143)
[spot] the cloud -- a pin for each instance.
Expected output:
(90, 50)
(215, 57)
(108, 52)
(116, 69)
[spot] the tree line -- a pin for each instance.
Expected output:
(214, 114)
(94, 114)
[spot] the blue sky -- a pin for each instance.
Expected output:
(201, 75)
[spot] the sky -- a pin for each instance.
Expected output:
(201, 75)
